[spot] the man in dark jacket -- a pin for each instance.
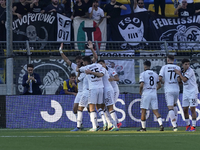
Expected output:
(31, 82)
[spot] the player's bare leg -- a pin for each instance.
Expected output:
(158, 116)
(187, 120)
(143, 120)
(75, 108)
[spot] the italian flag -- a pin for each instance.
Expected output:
(80, 35)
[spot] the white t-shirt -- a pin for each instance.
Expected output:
(190, 86)
(80, 84)
(112, 73)
(96, 15)
(170, 77)
(94, 81)
(150, 80)
(138, 9)
(105, 78)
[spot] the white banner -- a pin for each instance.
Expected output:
(125, 70)
(64, 28)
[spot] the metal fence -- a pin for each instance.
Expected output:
(125, 57)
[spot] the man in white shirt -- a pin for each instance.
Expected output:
(96, 13)
(139, 6)
(190, 91)
(148, 91)
(171, 86)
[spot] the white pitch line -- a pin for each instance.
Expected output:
(116, 135)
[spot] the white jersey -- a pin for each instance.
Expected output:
(170, 77)
(106, 83)
(94, 81)
(190, 86)
(80, 84)
(83, 78)
(112, 73)
(150, 80)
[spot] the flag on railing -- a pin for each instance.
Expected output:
(86, 29)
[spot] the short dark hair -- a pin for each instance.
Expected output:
(185, 60)
(87, 58)
(95, 1)
(147, 63)
(100, 61)
(72, 75)
(171, 57)
(78, 57)
(30, 65)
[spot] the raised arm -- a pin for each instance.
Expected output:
(63, 55)
(135, 4)
(90, 46)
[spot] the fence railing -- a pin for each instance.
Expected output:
(125, 57)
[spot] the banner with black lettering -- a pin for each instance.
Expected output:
(35, 27)
(64, 28)
(185, 29)
(130, 28)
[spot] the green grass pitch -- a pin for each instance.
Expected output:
(125, 139)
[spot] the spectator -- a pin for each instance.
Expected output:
(88, 4)
(96, 12)
(21, 8)
(2, 20)
(113, 10)
(139, 6)
(189, 2)
(68, 6)
(160, 3)
(35, 6)
(79, 10)
(54, 7)
(31, 82)
(70, 86)
(183, 11)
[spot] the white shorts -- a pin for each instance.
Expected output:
(189, 100)
(171, 98)
(78, 97)
(84, 99)
(116, 95)
(149, 101)
(108, 97)
(95, 96)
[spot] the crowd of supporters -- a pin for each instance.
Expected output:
(93, 9)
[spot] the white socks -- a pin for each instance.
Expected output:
(143, 123)
(79, 118)
(172, 117)
(160, 121)
(101, 114)
(114, 118)
(93, 118)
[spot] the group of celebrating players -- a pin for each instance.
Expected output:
(98, 90)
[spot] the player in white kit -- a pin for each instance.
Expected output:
(171, 87)
(190, 91)
(109, 80)
(148, 91)
(74, 66)
(94, 76)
